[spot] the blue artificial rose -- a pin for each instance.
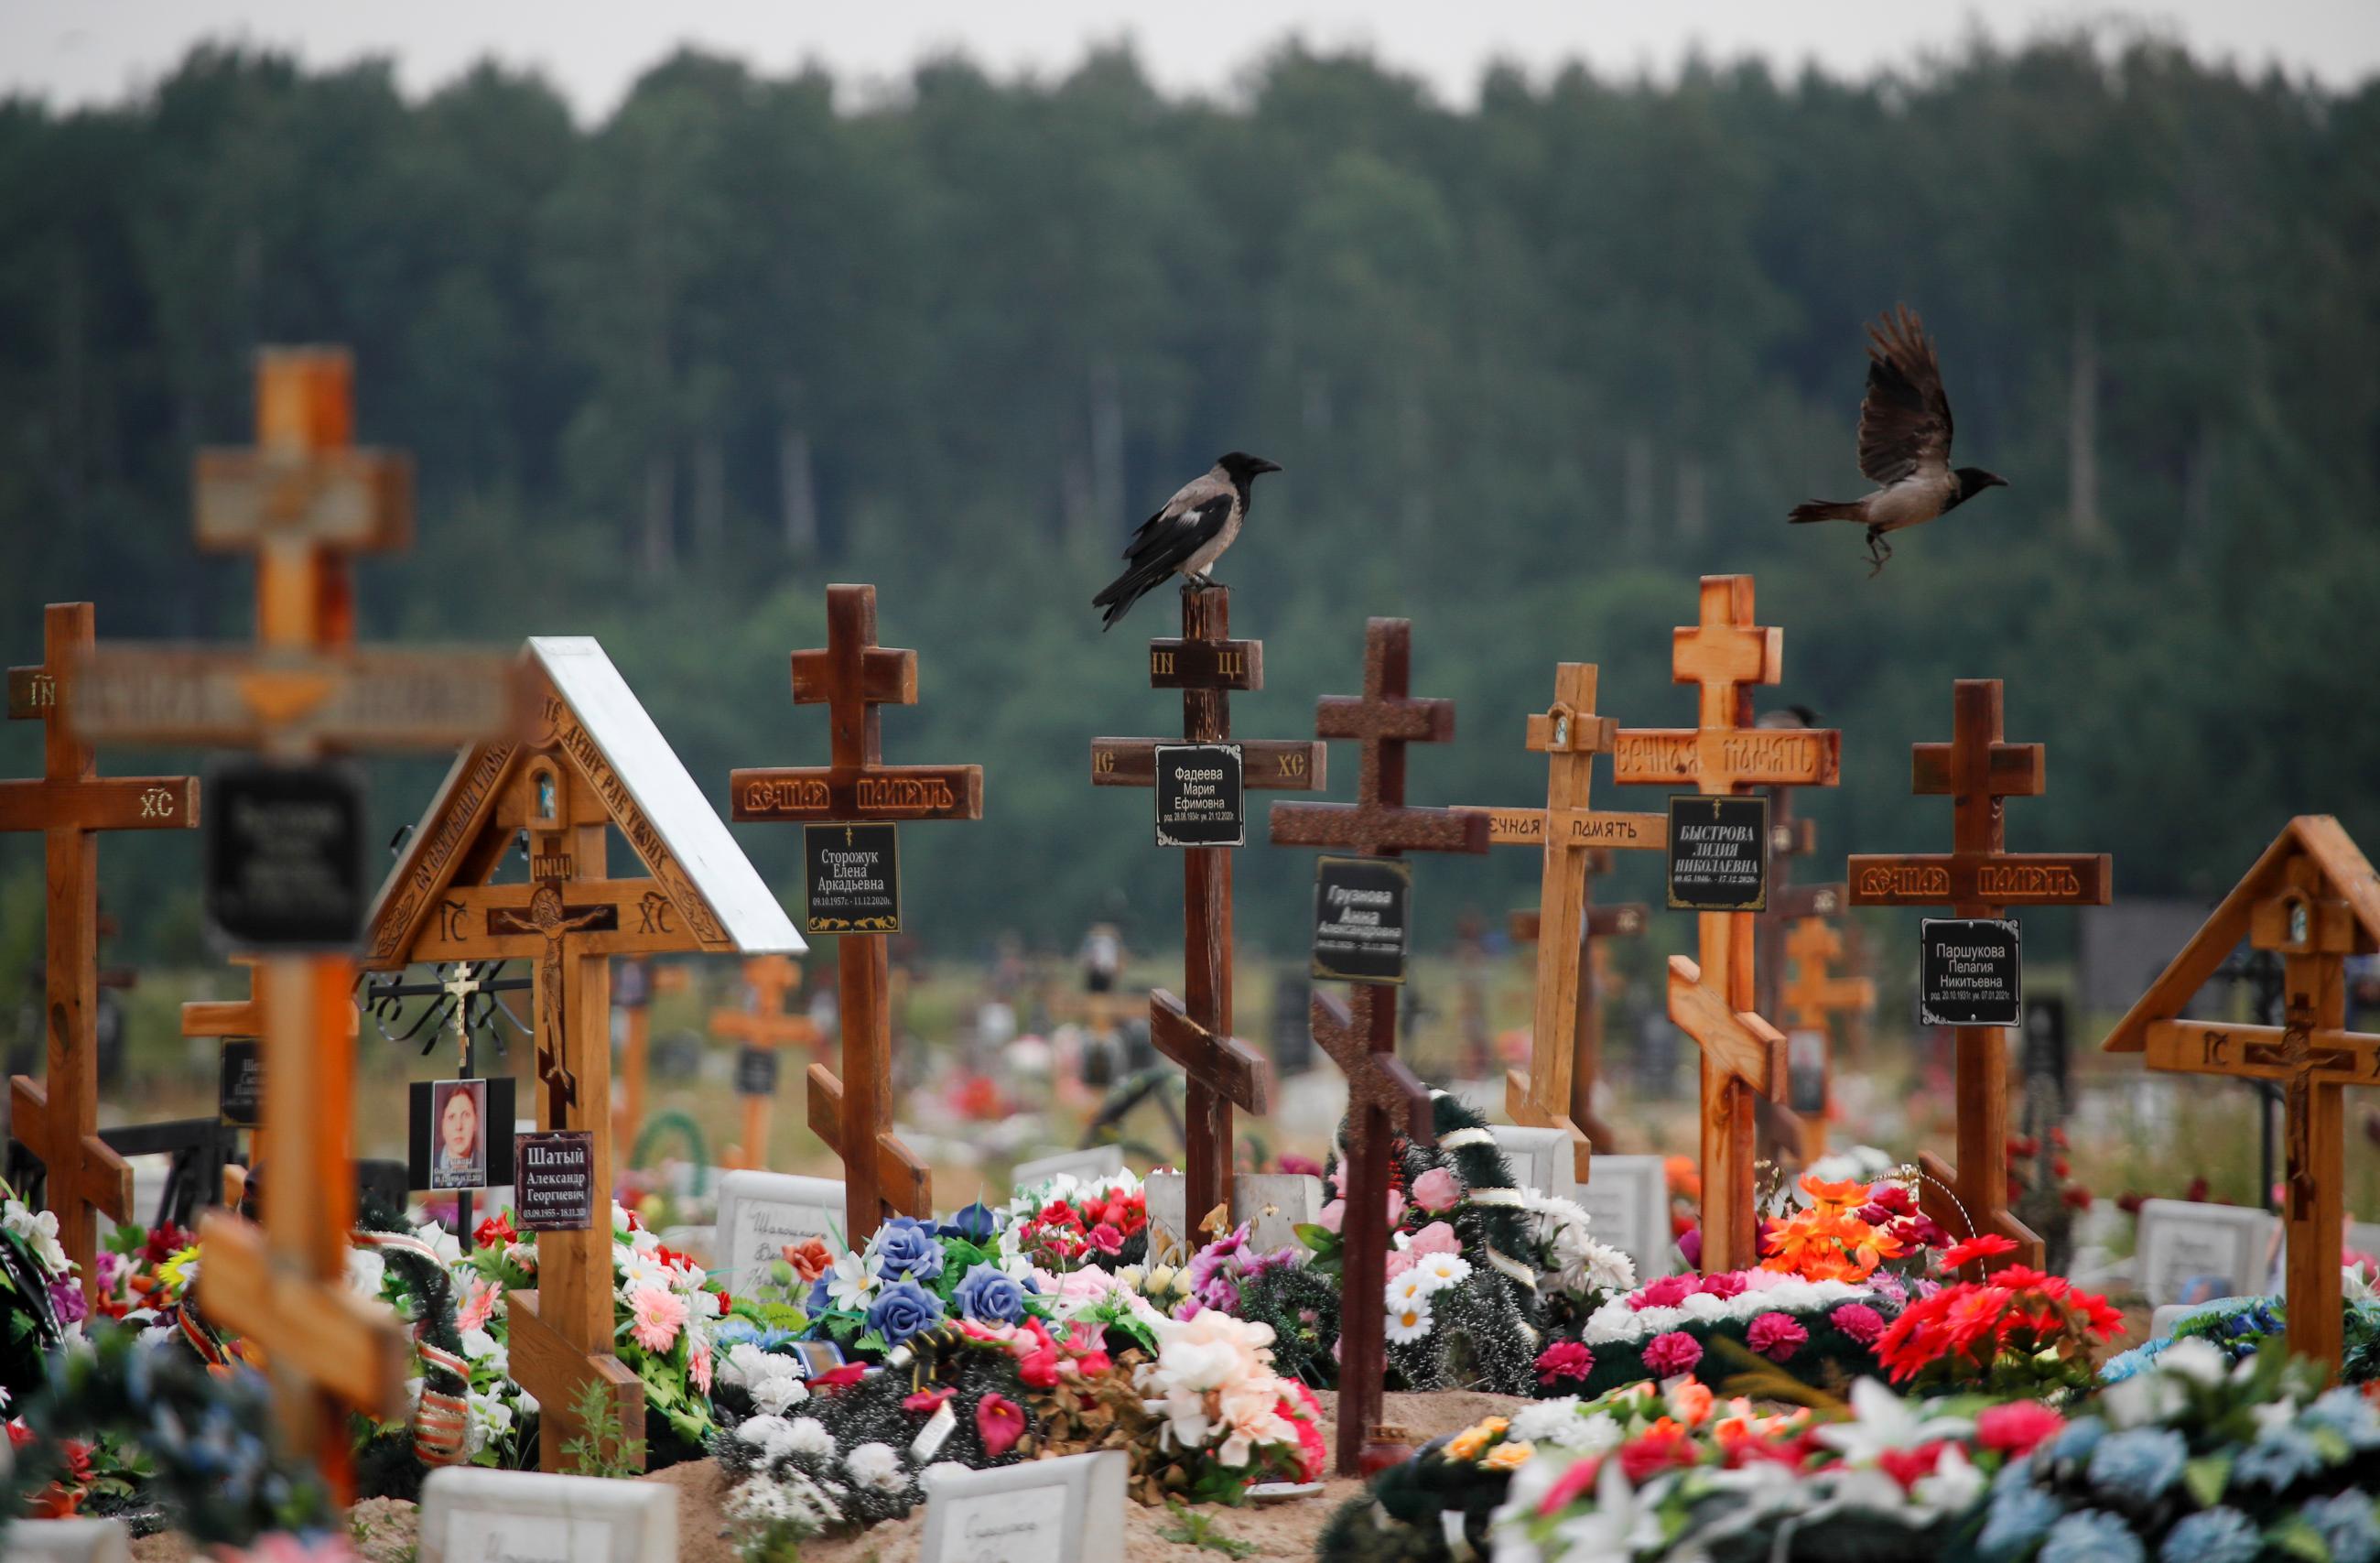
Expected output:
(985, 1293)
(976, 1224)
(901, 1310)
(903, 1246)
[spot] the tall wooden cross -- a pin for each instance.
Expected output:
(1383, 1097)
(1221, 1071)
(1810, 1001)
(304, 501)
(1978, 877)
(1725, 656)
(2311, 899)
(852, 678)
(1598, 927)
(763, 1021)
(57, 1116)
(1791, 838)
(1569, 835)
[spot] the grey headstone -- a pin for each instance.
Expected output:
(1275, 1204)
(2191, 1252)
(67, 1541)
(1064, 1510)
(471, 1516)
(1627, 1200)
(1100, 1161)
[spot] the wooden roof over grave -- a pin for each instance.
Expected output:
(588, 719)
(2345, 871)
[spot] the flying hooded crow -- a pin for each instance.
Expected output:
(1904, 441)
(1188, 535)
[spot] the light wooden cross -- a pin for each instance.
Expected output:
(1383, 1097)
(763, 1021)
(224, 1017)
(1725, 654)
(2313, 899)
(1791, 838)
(852, 678)
(1221, 1071)
(1978, 771)
(628, 1114)
(1598, 927)
(1812, 998)
(1569, 835)
(57, 1118)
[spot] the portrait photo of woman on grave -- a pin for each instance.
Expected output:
(459, 1159)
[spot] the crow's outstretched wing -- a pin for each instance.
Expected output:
(1189, 520)
(1905, 418)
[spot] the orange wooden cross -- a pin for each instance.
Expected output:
(1725, 654)
(1221, 1071)
(853, 676)
(634, 997)
(1812, 997)
(1979, 771)
(2313, 899)
(763, 1021)
(57, 1116)
(1569, 835)
(1383, 1097)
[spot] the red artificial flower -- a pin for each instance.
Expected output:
(1987, 1245)
(1564, 1359)
(1039, 1369)
(494, 1232)
(726, 1303)
(2015, 1429)
(1727, 1283)
(928, 1401)
(2079, 1199)
(1777, 1336)
(19, 1434)
(1107, 1239)
(165, 1243)
(840, 1378)
(1669, 1291)
(1570, 1487)
(1663, 1446)
(1859, 1321)
(1909, 1466)
(810, 1258)
(1000, 1423)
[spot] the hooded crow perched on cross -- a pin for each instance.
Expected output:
(1187, 535)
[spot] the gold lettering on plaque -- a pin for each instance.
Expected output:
(45, 692)
(903, 794)
(156, 803)
(1160, 664)
(1905, 879)
(1999, 882)
(1232, 665)
(1103, 761)
(1293, 763)
(786, 793)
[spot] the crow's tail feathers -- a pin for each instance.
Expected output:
(1824, 510)
(1121, 593)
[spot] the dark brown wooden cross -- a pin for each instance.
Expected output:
(852, 676)
(1570, 836)
(1220, 1071)
(1383, 1097)
(1978, 877)
(57, 1116)
(1725, 656)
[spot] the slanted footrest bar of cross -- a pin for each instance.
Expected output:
(1235, 1071)
(1374, 1080)
(902, 1180)
(1522, 1109)
(1738, 1043)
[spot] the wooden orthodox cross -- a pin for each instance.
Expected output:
(57, 1116)
(1789, 906)
(1600, 924)
(2313, 900)
(1725, 654)
(1811, 1000)
(1569, 835)
(1979, 877)
(1383, 1097)
(763, 1023)
(304, 501)
(852, 676)
(1221, 1071)
(634, 987)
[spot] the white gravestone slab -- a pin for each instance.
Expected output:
(473, 1516)
(759, 1213)
(67, 1541)
(1064, 1510)
(1274, 1205)
(1627, 1200)
(1540, 1159)
(1101, 1161)
(2191, 1252)
(1168, 1220)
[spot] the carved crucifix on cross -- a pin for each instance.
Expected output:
(57, 1116)
(1570, 836)
(853, 676)
(1221, 1071)
(1979, 771)
(1383, 1097)
(1725, 656)
(763, 1022)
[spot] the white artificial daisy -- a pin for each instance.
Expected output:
(1591, 1435)
(1408, 1289)
(777, 1396)
(1439, 1271)
(1409, 1322)
(851, 1281)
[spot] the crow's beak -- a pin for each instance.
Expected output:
(1263, 466)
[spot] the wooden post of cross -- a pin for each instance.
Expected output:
(763, 1022)
(1978, 771)
(222, 1018)
(1811, 1000)
(1625, 919)
(1569, 835)
(2311, 899)
(1383, 1097)
(852, 678)
(1725, 656)
(1195, 1030)
(57, 1116)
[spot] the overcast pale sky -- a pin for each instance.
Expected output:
(79, 51)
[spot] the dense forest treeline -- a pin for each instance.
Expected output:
(1530, 366)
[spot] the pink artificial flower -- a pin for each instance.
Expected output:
(1777, 1336)
(2018, 1427)
(480, 1307)
(1331, 1216)
(1292, 1163)
(926, 1402)
(1669, 1291)
(1436, 1237)
(1564, 1359)
(697, 1368)
(1107, 1239)
(1727, 1283)
(1396, 1206)
(1668, 1355)
(999, 1422)
(1570, 1487)
(656, 1314)
(1437, 1189)
(1398, 1260)
(1859, 1321)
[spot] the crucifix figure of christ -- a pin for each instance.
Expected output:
(1383, 1097)
(1598, 926)
(1979, 771)
(57, 1116)
(2313, 900)
(853, 676)
(590, 764)
(763, 1022)
(1725, 654)
(1221, 1072)
(1570, 836)
(1811, 1000)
